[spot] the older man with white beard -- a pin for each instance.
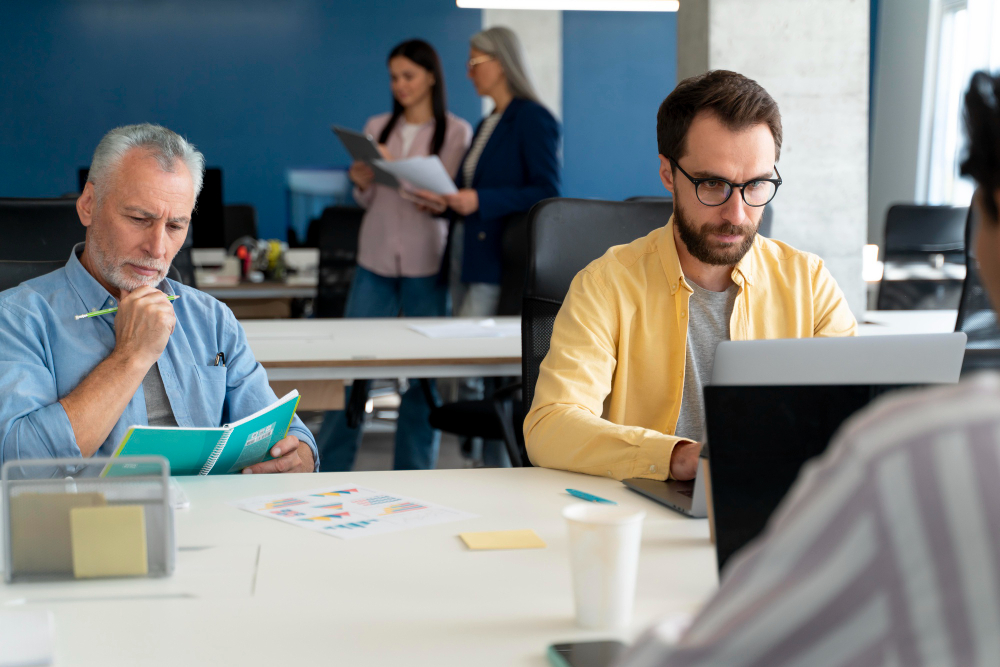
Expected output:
(72, 388)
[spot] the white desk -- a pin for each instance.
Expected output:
(884, 322)
(346, 349)
(252, 591)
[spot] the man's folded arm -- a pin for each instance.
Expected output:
(33, 423)
(564, 428)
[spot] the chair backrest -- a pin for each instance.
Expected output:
(914, 230)
(335, 233)
(565, 235)
(239, 220)
(976, 316)
(38, 236)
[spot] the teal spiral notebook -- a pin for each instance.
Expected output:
(209, 451)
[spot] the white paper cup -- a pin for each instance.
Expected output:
(604, 556)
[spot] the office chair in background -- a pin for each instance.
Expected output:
(923, 255)
(238, 220)
(564, 236)
(38, 236)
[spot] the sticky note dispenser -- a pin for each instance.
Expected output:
(62, 520)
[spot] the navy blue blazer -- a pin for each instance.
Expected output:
(518, 168)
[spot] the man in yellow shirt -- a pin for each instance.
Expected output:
(620, 392)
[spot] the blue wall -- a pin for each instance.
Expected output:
(255, 85)
(617, 68)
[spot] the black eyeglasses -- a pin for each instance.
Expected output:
(716, 191)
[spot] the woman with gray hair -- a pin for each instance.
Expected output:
(512, 164)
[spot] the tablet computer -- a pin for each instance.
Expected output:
(363, 148)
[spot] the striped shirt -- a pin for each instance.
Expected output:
(478, 144)
(885, 552)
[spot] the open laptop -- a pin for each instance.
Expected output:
(871, 364)
(774, 404)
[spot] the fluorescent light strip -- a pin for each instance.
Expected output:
(570, 5)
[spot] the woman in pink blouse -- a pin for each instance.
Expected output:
(400, 247)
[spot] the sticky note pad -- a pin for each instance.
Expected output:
(503, 539)
(109, 541)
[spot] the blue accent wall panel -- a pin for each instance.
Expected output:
(254, 84)
(617, 68)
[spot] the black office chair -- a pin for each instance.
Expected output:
(38, 236)
(564, 236)
(976, 316)
(335, 233)
(919, 242)
(238, 220)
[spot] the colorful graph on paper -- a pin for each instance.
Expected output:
(376, 500)
(284, 502)
(350, 511)
(398, 508)
(327, 517)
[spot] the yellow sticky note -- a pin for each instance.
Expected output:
(503, 539)
(109, 541)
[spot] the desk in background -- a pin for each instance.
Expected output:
(250, 591)
(264, 300)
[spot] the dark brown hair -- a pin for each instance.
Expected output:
(739, 102)
(982, 125)
(424, 55)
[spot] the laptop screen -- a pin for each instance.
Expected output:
(760, 437)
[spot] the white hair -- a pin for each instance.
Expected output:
(163, 144)
(502, 43)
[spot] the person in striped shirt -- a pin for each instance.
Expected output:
(887, 549)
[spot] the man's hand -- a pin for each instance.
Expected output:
(143, 325)
(463, 202)
(684, 460)
(290, 455)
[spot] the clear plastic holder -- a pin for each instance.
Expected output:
(87, 518)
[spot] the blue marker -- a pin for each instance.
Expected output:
(589, 497)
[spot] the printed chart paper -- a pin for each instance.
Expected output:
(349, 511)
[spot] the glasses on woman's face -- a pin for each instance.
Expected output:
(478, 60)
(716, 191)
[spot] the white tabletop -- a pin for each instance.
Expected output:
(253, 591)
(885, 322)
(324, 349)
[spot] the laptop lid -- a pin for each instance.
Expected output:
(857, 360)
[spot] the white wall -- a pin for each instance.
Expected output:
(812, 57)
(541, 34)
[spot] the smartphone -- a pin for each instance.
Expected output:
(586, 654)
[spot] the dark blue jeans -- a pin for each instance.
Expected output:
(417, 443)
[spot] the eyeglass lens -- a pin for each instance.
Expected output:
(755, 193)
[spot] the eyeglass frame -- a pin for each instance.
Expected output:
(471, 63)
(732, 186)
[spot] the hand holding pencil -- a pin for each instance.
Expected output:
(143, 325)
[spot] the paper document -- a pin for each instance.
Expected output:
(469, 329)
(348, 511)
(424, 173)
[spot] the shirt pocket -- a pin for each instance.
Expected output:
(212, 387)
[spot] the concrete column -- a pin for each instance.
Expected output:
(540, 32)
(812, 57)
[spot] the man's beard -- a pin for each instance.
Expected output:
(702, 248)
(114, 269)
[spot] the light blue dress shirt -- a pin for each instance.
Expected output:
(45, 354)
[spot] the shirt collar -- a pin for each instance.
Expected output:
(742, 272)
(91, 292)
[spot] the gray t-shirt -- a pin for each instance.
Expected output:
(158, 410)
(708, 325)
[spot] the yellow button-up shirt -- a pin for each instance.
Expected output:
(609, 391)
